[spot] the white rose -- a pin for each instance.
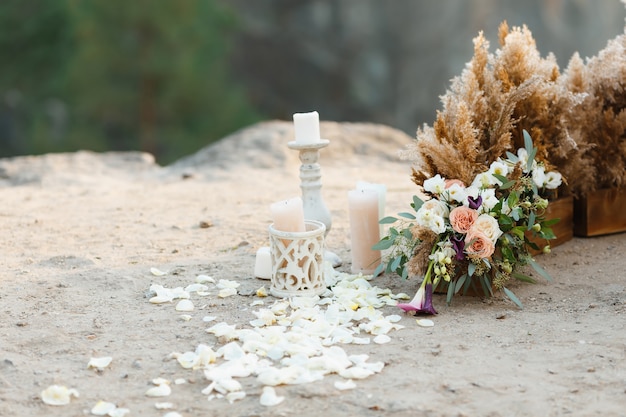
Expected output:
(437, 207)
(523, 158)
(553, 180)
(489, 199)
(500, 168)
(539, 176)
(457, 193)
(438, 225)
(435, 185)
(483, 180)
(488, 226)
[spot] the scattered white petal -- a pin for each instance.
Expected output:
(58, 395)
(235, 396)
(162, 390)
(225, 283)
(180, 381)
(345, 385)
(99, 363)
(356, 372)
(173, 414)
(257, 303)
(382, 339)
(160, 381)
(402, 296)
(186, 317)
(269, 397)
(262, 292)
(160, 299)
(102, 408)
(197, 287)
(157, 272)
(203, 279)
(207, 319)
(184, 305)
(119, 412)
(394, 318)
(164, 406)
(425, 323)
(227, 292)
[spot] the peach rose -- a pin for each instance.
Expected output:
(488, 226)
(450, 183)
(462, 218)
(478, 245)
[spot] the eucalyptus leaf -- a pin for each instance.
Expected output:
(528, 141)
(512, 157)
(396, 263)
(407, 215)
(471, 268)
(531, 220)
(388, 220)
(384, 243)
(513, 297)
(540, 270)
(460, 282)
(523, 278)
(417, 203)
(450, 293)
(380, 268)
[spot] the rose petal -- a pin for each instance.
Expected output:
(162, 390)
(102, 408)
(99, 363)
(269, 397)
(425, 322)
(185, 305)
(58, 395)
(157, 272)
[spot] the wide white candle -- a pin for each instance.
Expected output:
(263, 263)
(288, 215)
(381, 189)
(307, 128)
(364, 230)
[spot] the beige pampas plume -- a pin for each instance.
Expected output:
(487, 107)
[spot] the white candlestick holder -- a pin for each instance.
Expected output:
(311, 185)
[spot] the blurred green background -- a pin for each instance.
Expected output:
(171, 76)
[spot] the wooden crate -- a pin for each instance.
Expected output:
(563, 209)
(600, 213)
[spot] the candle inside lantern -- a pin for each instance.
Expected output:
(364, 230)
(263, 263)
(307, 128)
(288, 215)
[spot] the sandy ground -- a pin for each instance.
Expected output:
(82, 231)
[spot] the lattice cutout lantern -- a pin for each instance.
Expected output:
(298, 261)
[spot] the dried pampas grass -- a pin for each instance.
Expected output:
(488, 106)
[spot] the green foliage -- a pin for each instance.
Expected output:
(146, 75)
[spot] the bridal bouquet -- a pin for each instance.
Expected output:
(464, 238)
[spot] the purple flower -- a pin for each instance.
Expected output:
(458, 243)
(474, 203)
(422, 303)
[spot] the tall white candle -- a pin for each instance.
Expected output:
(288, 215)
(381, 189)
(364, 230)
(307, 128)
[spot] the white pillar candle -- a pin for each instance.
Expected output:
(307, 128)
(381, 189)
(288, 215)
(263, 263)
(364, 230)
